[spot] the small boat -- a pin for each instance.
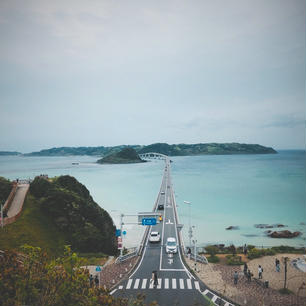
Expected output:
(75, 163)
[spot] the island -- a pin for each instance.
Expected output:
(125, 156)
(163, 148)
(9, 153)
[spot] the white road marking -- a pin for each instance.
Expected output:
(214, 298)
(151, 284)
(136, 283)
(197, 285)
(182, 283)
(189, 283)
(173, 283)
(120, 287)
(144, 283)
(159, 283)
(112, 292)
(180, 270)
(128, 286)
(166, 283)
(206, 291)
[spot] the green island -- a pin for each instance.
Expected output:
(60, 212)
(125, 156)
(163, 148)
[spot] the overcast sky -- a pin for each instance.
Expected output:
(97, 72)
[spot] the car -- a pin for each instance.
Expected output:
(154, 237)
(160, 207)
(171, 245)
(162, 192)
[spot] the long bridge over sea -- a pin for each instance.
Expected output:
(177, 285)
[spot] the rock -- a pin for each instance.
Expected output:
(284, 234)
(280, 225)
(263, 226)
(232, 227)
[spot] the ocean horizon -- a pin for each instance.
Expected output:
(224, 190)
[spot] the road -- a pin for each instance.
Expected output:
(176, 285)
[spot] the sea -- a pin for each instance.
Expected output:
(212, 192)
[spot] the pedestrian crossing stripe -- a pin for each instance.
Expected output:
(162, 284)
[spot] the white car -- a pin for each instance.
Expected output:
(171, 246)
(154, 237)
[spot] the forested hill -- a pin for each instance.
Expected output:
(164, 148)
(206, 149)
(126, 156)
(58, 212)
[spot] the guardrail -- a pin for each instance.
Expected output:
(127, 256)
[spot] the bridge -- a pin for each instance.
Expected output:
(176, 285)
(153, 155)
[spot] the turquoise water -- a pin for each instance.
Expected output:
(238, 190)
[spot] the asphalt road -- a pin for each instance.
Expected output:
(176, 285)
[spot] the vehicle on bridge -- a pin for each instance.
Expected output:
(154, 237)
(171, 245)
(160, 207)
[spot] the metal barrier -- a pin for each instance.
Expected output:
(127, 256)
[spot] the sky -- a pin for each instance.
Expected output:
(97, 72)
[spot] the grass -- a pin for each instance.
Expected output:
(285, 291)
(33, 228)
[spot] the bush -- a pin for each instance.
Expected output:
(212, 250)
(256, 253)
(233, 260)
(213, 259)
(288, 249)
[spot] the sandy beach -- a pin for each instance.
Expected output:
(219, 277)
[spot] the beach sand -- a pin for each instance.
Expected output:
(219, 277)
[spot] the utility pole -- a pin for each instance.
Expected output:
(121, 226)
(285, 262)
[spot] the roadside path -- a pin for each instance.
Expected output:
(18, 200)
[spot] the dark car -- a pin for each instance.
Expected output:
(160, 207)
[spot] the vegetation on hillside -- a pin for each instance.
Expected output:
(164, 148)
(31, 278)
(206, 148)
(92, 151)
(125, 156)
(5, 189)
(58, 213)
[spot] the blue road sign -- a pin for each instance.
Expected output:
(98, 269)
(148, 221)
(118, 232)
(123, 232)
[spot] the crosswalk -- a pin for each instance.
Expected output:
(163, 283)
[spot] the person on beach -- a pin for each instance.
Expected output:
(260, 270)
(154, 279)
(245, 269)
(236, 278)
(249, 275)
(245, 250)
(277, 265)
(189, 253)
